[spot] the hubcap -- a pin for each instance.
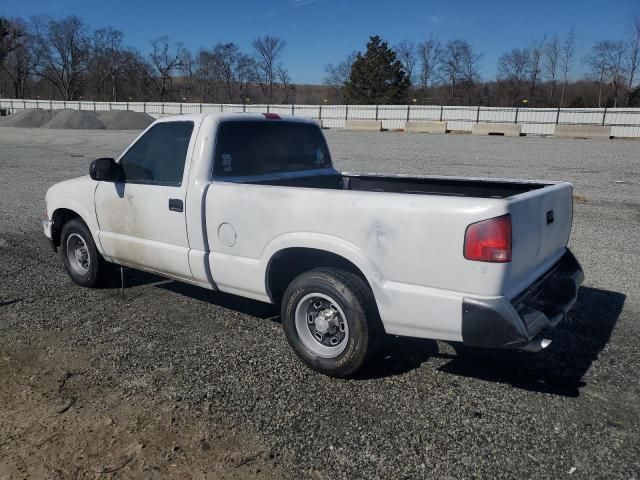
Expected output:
(78, 254)
(321, 325)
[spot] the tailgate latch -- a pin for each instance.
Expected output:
(549, 217)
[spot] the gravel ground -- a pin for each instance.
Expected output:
(423, 409)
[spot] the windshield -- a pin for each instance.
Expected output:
(248, 148)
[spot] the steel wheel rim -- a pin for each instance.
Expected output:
(78, 254)
(322, 325)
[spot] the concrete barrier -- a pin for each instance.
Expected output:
(366, 125)
(426, 127)
(506, 129)
(582, 131)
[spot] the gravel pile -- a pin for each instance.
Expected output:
(74, 119)
(78, 119)
(32, 118)
(422, 410)
(125, 120)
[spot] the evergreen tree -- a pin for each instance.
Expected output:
(377, 77)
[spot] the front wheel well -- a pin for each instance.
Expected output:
(287, 264)
(59, 218)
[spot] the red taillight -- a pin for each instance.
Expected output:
(489, 240)
(271, 116)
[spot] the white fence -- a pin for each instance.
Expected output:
(624, 122)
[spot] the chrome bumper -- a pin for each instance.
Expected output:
(47, 226)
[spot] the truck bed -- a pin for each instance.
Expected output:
(540, 212)
(476, 188)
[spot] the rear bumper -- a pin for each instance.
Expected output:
(521, 322)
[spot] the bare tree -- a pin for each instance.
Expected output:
(98, 60)
(429, 55)
(338, 75)
(514, 69)
(535, 67)
(607, 62)
(566, 58)
(62, 48)
(165, 61)
(450, 64)
(226, 56)
(246, 73)
(5, 41)
(20, 61)
(470, 69)
(596, 59)
(110, 58)
(205, 74)
(551, 64)
(187, 68)
(633, 61)
(10, 32)
(406, 53)
(138, 78)
(615, 53)
(285, 81)
(135, 79)
(268, 50)
(458, 66)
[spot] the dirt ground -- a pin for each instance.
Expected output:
(61, 420)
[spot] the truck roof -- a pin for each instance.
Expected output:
(224, 116)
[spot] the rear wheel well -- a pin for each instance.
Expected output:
(59, 218)
(287, 264)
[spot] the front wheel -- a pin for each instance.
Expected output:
(329, 318)
(81, 259)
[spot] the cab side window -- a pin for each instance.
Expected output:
(158, 157)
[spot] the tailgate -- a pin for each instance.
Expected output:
(541, 225)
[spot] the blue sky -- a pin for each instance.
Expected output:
(323, 31)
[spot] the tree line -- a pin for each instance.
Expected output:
(539, 74)
(66, 59)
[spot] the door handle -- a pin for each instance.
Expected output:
(176, 205)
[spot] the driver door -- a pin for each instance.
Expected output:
(142, 217)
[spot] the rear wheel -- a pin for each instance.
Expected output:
(329, 319)
(81, 259)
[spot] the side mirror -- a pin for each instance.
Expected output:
(104, 170)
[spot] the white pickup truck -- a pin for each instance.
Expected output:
(250, 204)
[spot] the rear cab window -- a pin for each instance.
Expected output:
(257, 148)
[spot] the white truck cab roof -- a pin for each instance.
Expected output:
(232, 116)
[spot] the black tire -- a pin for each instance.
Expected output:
(97, 271)
(352, 295)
